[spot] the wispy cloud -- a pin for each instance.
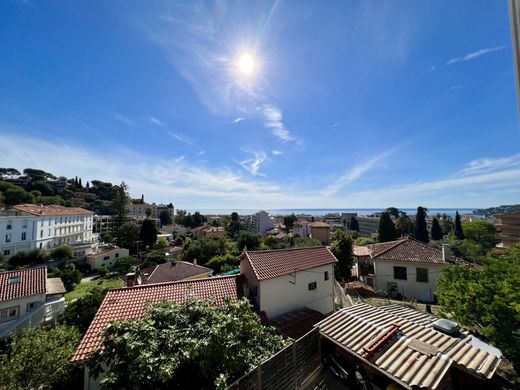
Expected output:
(455, 87)
(486, 164)
(276, 152)
(124, 119)
(201, 153)
(252, 165)
(474, 55)
(157, 122)
(179, 137)
(239, 119)
(274, 120)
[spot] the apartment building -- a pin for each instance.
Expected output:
(508, 228)
(367, 225)
(138, 211)
(259, 223)
(28, 226)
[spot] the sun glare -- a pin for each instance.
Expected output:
(246, 63)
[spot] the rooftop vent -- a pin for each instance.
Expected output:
(446, 326)
(13, 280)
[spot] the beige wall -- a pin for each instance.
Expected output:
(410, 288)
(97, 260)
(22, 304)
(279, 295)
(320, 233)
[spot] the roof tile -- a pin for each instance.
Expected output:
(21, 283)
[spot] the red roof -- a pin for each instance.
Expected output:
(132, 302)
(51, 210)
(274, 263)
(409, 250)
(22, 283)
(319, 224)
(171, 272)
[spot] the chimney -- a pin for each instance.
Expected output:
(130, 279)
(446, 253)
(194, 261)
(173, 262)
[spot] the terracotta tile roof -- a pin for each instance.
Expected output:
(131, 303)
(274, 263)
(167, 272)
(409, 250)
(319, 225)
(21, 283)
(297, 323)
(361, 251)
(51, 210)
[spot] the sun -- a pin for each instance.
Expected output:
(246, 63)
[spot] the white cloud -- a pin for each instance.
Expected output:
(276, 152)
(201, 153)
(274, 120)
(252, 165)
(239, 119)
(179, 137)
(157, 122)
(486, 164)
(124, 119)
(474, 55)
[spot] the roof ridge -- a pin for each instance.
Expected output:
(287, 249)
(24, 269)
(153, 285)
(397, 243)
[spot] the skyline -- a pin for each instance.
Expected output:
(350, 106)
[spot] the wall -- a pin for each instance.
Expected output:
(410, 288)
(320, 233)
(96, 260)
(19, 225)
(279, 296)
(22, 303)
(254, 286)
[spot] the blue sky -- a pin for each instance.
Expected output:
(350, 104)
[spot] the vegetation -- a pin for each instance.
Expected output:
(420, 227)
(289, 221)
(354, 224)
(203, 249)
(123, 265)
(479, 239)
(32, 257)
(223, 263)
(363, 241)
(120, 201)
(69, 276)
(165, 217)
(248, 240)
(61, 253)
(84, 287)
(436, 230)
(186, 219)
(218, 345)
(459, 232)
(341, 247)
(498, 210)
(148, 233)
(386, 228)
(127, 235)
(234, 225)
(39, 358)
(82, 310)
(487, 299)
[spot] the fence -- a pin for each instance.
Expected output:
(288, 369)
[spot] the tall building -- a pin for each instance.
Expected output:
(259, 223)
(138, 211)
(368, 225)
(508, 228)
(29, 226)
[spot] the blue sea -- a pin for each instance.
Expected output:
(431, 211)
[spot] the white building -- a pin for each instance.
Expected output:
(29, 299)
(106, 257)
(259, 223)
(368, 225)
(138, 211)
(28, 226)
(407, 268)
(281, 281)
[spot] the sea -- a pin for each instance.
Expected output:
(320, 212)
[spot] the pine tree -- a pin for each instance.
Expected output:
(80, 185)
(386, 228)
(119, 204)
(87, 185)
(459, 233)
(420, 228)
(436, 230)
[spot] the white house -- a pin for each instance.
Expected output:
(405, 267)
(29, 299)
(29, 226)
(260, 222)
(280, 281)
(106, 257)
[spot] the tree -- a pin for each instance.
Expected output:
(363, 241)
(20, 259)
(120, 203)
(39, 358)
(393, 211)
(165, 217)
(81, 311)
(69, 276)
(289, 221)
(61, 253)
(123, 265)
(354, 224)
(148, 212)
(218, 345)
(436, 230)
(11, 172)
(248, 240)
(480, 232)
(386, 228)
(459, 233)
(404, 225)
(44, 188)
(341, 247)
(223, 263)
(154, 258)
(198, 219)
(127, 235)
(14, 196)
(234, 225)
(37, 174)
(420, 228)
(148, 233)
(487, 299)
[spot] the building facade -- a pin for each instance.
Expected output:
(368, 226)
(508, 229)
(28, 226)
(320, 231)
(259, 223)
(106, 257)
(138, 211)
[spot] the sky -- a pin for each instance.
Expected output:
(266, 104)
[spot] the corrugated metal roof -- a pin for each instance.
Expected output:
(418, 355)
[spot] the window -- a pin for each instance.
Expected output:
(116, 255)
(24, 225)
(13, 280)
(400, 273)
(106, 258)
(24, 236)
(9, 225)
(8, 237)
(41, 245)
(9, 313)
(422, 275)
(41, 233)
(31, 305)
(313, 286)
(326, 275)
(7, 252)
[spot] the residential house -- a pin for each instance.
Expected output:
(132, 302)
(208, 231)
(320, 231)
(397, 347)
(508, 228)
(302, 228)
(281, 281)
(167, 272)
(259, 223)
(407, 267)
(28, 226)
(106, 257)
(29, 299)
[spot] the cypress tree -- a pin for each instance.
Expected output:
(459, 233)
(80, 185)
(386, 228)
(436, 230)
(354, 224)
(420, 228)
